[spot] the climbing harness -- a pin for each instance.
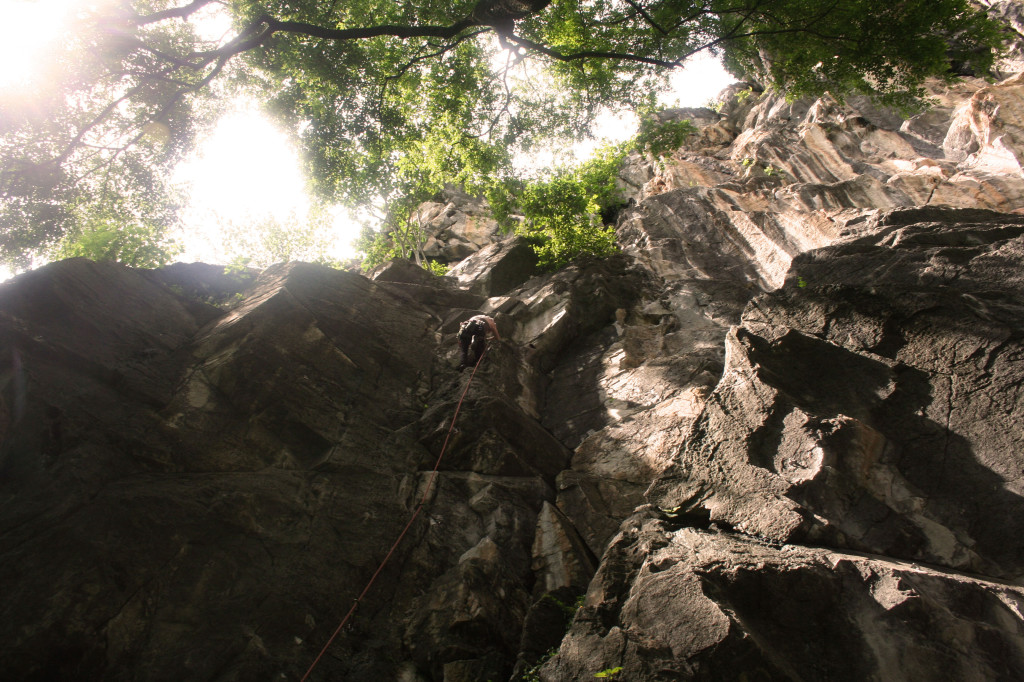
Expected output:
(415, 514)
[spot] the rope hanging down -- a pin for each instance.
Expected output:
(415, 514)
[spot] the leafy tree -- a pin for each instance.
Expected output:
(404, 239)
(110, 233)
(442, 157)
(658, 137)
(882, 49)
(260, 241)
(562, 213)
(369, 84)
(568, 213)
(436, 268)
(398, 238)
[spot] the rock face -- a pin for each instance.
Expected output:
(854, 476)
(778, 437)
(456, 226)
(683, 603)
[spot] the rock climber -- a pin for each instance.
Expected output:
(473, 337)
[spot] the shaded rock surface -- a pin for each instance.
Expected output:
(777, 437)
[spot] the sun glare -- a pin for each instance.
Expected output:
(28, 31)
(698, 83)
(245, 171)
(246, 165)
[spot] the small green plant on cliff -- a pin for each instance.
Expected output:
(742, 95)
(658, 137)
(112, 232)
(609, 673)
(532, 674)
(569, 609)
(562, 213)
(238, 268)
(436, 268)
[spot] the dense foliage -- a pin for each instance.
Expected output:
(389, 99)
(883, 49)
(569, 213)
(106, 233)
(565, 213)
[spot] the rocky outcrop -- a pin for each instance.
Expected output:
(775, 178)
(777, 437)
(867, 407)
(456, 226)
(674, 602)
(987, 133)
(1011, 14)
(224, 480)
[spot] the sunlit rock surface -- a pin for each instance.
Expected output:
(456, 226)
(770, 179)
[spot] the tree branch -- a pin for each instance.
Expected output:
(263, 28)
(314, 31)
(174, 13)
(590, 54)
(441, 49)
(647, 17)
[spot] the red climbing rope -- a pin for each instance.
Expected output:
(416, 513)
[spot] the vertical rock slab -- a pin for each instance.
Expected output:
(987, 132)
(226, 481)
(872, 403)
(686, 604)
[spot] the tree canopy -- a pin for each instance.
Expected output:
(390, 100)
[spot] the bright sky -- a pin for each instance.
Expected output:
(247, 168)
(700, 82)
(27, 31)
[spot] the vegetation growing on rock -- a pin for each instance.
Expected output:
(389, 98)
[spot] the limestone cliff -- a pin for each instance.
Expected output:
(778, 437)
